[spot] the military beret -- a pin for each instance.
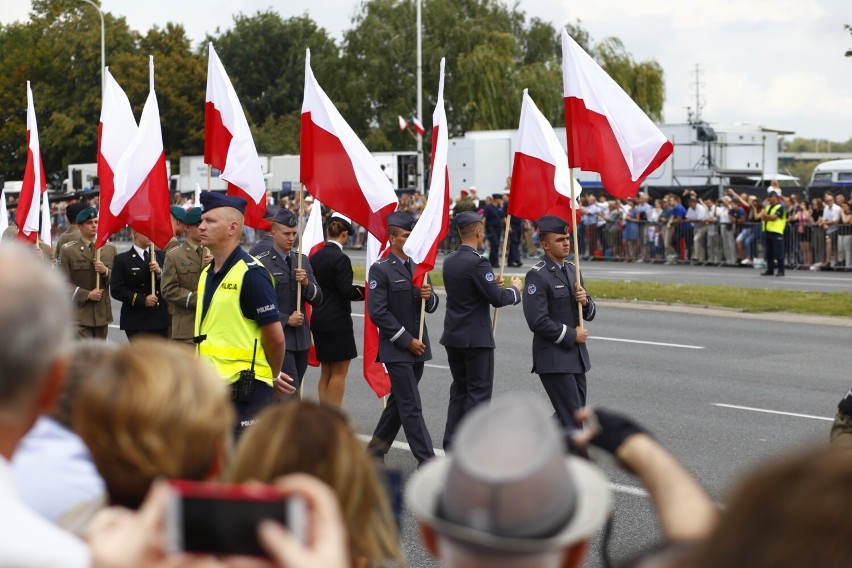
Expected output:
(86, 214)
(73, 210)
(466, 218)
(343, 220)
(192, 216)
(402, 220)
(552, 224)
(178, 212)
(284, 217)
(212, 200)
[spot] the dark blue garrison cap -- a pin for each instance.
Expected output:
(284, 217)
(552, 224)
(212, 200)
(466, 218)
(402, 220)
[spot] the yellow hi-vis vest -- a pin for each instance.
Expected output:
(230, 335)
(776, 226)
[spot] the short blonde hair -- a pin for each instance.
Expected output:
(316, 439)
(153, 410)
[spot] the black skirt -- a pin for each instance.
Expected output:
(331, 346)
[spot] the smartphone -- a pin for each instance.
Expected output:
(219, 518)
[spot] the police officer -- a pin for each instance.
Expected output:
(143, 310)
(236, 318)
(181, 270)
(77, 259)
(282, 261)
(471, 288)
(774, 217)
(394, 306)
(559, 349)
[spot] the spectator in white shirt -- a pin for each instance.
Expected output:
(829, 221)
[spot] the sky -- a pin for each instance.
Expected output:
(773, 63)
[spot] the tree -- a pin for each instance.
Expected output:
(848, 29)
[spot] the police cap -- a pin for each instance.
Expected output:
(466, 218)
(86, 214)
(192, 216)
(73, 210)
(211, 200)
(178, 212)
(402, 220)
(552, 224)
(284, 217)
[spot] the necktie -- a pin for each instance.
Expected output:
(408, 265)
(147, 256)
(92, 247)
(289, 263)
(200, 251)
(565, 271)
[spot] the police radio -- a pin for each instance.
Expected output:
(244, 388)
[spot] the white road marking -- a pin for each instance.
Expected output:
(794, 414)
(617, 487)
(679, 345)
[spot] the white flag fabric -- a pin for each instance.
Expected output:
(34, 184)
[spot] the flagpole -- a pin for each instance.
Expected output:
(299, 257)
(575, 245)
(502, 265)
(420, 177)
(97, 274)
(422, 315)
(153, 276)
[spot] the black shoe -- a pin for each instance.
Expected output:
(781, 273)
(767, 273)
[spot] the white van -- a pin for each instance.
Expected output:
(835, 172)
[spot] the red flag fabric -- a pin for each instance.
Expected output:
(117, 127)
(418, 126)
(312, 241)
(374, 372)
(540, 175)
(141, 180)
(228, 143)
(335, 165)
(34, 185)
(607, 132)
(434, 222)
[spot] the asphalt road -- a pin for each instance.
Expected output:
(722, 392)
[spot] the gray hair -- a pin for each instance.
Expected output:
(35, 322)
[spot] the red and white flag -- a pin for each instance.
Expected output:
(228, 144)
(29, 200)
(434, 222)
(418, 126)
(403, 124)
(541, 182)
(46, 225)
(607, 132)
(312, 240)
(374, 373)
(117, 127)
(335, 165)
(141, 181)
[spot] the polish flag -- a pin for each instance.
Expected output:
(141, 181)
(335, 165)
(541, 182)
(312, 241)
(607, 132)
(374, 372)
(418, 126)
(29, 200)
(403, 124)
(228, 144)
(46, 235)
(117, 127)
(434, 222)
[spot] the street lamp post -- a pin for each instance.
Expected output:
(103, 49)
(420, 183)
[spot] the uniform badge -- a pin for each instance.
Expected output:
(531, 289)
(489, 277)
(373, 284)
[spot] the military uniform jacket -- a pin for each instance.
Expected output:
(179, 283)
(77, 261)
(70, 234)
(296, 338)
(11, 234)
(333, 271)
(263, 245)
(493, 218)
(173, 242)
(550, 308)
(471, 291)
(394, 306)
(130, 284)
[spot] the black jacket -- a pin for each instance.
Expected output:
(130, 283)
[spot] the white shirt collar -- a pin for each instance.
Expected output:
(139, 251)
(338, 244)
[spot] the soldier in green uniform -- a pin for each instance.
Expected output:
(180, 278)
(77, 259)
(72, 233)
(178, 215)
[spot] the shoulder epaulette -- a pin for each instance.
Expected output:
(69, 244)
(539, 265)
(262, 254)
(569, 262)
(382, 260)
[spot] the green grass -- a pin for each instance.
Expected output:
(751, 300)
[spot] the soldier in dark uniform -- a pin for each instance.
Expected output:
(472, 288)
(282, 261)
(72, 233)
(550, 307)
(181, 271)
(266, 240)
(142, 311)
(77, 259)
(516, 231)
(494, 215)
(178, 226)
(394, 306)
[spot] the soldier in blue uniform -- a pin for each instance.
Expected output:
(394, 306)
(472, 288)
(559, 353)
(282, 261)
(494, 213)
